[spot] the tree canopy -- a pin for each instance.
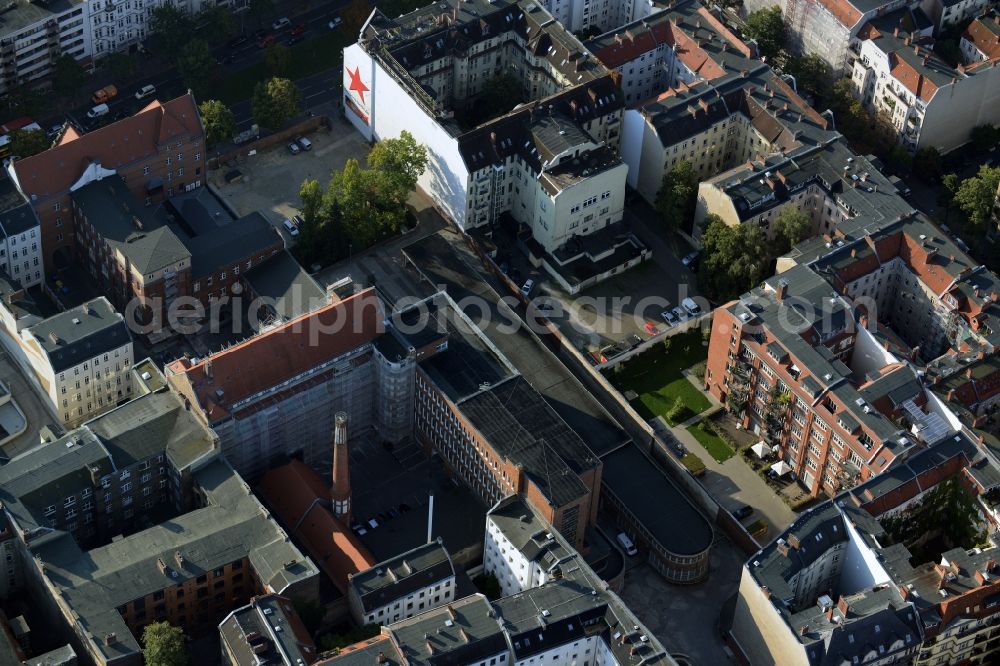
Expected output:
(676, 200)
(217, 23)
(220, 124)
(790, 227)
(767, 28)
(976, 195)
(734, 258)
(812, 74)
(170, 28)
(360, 206)
(68, 75)
(984, 137)
(195, 64)
(274, 101)
(118, 64)
(277, 59)
(163, 645)
(25, 143)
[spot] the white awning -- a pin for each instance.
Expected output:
(761, 449)
(781, 468)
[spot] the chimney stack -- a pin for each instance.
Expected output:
(340, 491)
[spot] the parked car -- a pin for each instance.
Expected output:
(670, 317)
(145, 91)
(528, 286)
(690, 258)
(298, 29)
(297, 220)
(293, 148)
(104, 94)
(334, 23)
(54, 130)
(280, 23)
(304, 143)
(679, 313)
(742, 512)
(290, 228)
(264, 41)
(98, 111)
(692, 308)
(293, 40)
(626, 544)
(238, 40)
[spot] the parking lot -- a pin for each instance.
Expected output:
(391, 491)
(271, 179)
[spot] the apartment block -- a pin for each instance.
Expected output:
(549, 167)
(148, 257)
(981, 39)
(94, 569)
(928, 102)
(946, 13)
(20, 238)
(497, 433)
(276, 394)
(420, 579)
(158, 152)
(838, 586)
(79, 360)
(266, 631)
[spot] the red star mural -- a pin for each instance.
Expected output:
(357, 85)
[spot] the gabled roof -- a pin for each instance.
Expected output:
(137, 137)
(74, 336)
(984, 33)
(263, 362)
(299, 498)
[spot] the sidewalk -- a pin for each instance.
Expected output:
(732, 482)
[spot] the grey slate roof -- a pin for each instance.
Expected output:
(267, 631)
(286, 286)
(460, 633)
(74, 336)
(128, 226)
(522, 427)
(152, 424)
(232, 525)
(427, 564)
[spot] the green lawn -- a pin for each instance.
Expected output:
(656, 377)
(310, 57)
(716, 448)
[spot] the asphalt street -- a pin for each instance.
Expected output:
(316, 89)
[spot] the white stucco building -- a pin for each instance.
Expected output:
(80, 360)
(549, 165)
(928, 102)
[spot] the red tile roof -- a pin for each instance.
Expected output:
(910, 78)
(985, 39)
(299, 498)
(268, 359)
(130, 139)
(844, 11)
(630, 44)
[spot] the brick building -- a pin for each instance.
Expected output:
(158, 151)
(496, 432)
(191, 246)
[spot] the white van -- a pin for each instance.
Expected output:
(145, 92)
(627, 544)
(290, 227)
(98, 111)
(692, 308)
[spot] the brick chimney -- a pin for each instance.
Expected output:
(781, 290)
(340, 491)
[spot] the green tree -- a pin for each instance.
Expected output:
(24, 101)
(355, 191)
(927, 164)
(949, 187)
(311, 195)
(984, 137)
(170, 28)
(195, 65)
(163, 645)
(398, 164)
(25, 143)
(767, 28)
(812, 74)
(216, 23)
(118, 64)
(975, 196)
(220, 125)
(790, 227)
(277, 59)
(676, 200)
(354, 16)
(67, 75)
(260, 9)
(899, 158)
(274, 101)
(734, 258)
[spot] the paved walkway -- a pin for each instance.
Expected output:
(732, 482)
